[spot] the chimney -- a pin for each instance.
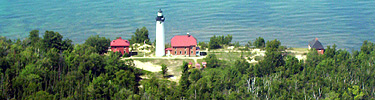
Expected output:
(188, 34)
(316, 39)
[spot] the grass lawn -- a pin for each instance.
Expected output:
(142, 54)
(231, 57)
(299, 51)
(168, 62)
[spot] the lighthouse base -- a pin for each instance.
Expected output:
(160, 40)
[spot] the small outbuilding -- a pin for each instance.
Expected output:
(198, 66)
(190, 65)
(315, 44)
(120, 45)
(204, 64)
(168, 51)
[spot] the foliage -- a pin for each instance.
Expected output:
(184, 80)
(140, 36)
(126, 55)
(34, 37)
(159, 89)
(259, 43)
(41, 95)
(248, 44)
(213, 44)
(272, 60)
(258, 58)
(195, 75)
(54, 40)
(82, 73)
(164, 69)
(52, 68)
(292, 66)
(168, 45)
(100, 44)
(184, 67)
(212, 61)
(217, 41)
(236, 44)
(203, 45)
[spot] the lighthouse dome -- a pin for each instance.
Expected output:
(160, 16)
(160, 13)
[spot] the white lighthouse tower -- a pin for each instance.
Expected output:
(160, 40)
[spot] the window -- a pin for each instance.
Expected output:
(180, 52)
(115, 47)
(192, 47)
(185, 48)
(175, 52)
(175, 49)
(185, 52)
(192, 51)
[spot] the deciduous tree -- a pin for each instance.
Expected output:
(140, 36)
(100, 44)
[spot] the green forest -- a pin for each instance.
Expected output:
(52, 67)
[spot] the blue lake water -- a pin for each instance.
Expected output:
(346, 23)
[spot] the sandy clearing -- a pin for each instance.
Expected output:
(301, 57)
(157, 68)
(147, 66)
(172, 69)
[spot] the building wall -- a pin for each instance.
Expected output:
(320, 51)
(122, 49)
(190, 50)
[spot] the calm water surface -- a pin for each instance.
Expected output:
(294, 22)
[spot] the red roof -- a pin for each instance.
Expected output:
(120, 42)
(170, 49)
(183, 40)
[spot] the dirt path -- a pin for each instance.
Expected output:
(201, 57)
